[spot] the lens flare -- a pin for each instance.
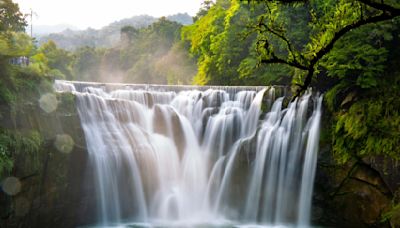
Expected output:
(48, 102)
(11, 186)
(64, 143)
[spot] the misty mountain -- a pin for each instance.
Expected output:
(42, 30)
(107, 36)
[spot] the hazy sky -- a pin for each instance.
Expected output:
(98, 13)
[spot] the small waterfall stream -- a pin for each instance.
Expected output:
(184, 157)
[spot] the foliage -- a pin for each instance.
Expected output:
(11, 19)
(176, 65)
(392, 214)
(205, 7)
(87, 63)
(225, 50)
(201, 36)
(6, 161)
(329, 22)
(352, 125)
(13, 44)
(15, 143)
(58, 59)
(365, 59)
(365, 101)
(370, 125)
(128, 34)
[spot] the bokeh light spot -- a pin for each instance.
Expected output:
(48, 102)
(11, 186)
(64, 143)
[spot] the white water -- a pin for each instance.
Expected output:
(199, 157)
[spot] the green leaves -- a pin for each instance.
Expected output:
(225, 49)
(59, 60)
(6, 162)
(359, 57)
(211, 42)
(11, 19)
(14, 44)
(371, 126)
(15, 143)
(157, 56)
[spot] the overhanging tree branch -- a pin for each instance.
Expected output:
(281, 36)
(325, 50)
(309, 64)
(276, 60)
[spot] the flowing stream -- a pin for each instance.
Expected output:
(170, 156)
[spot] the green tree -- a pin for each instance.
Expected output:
(87, 63)
(202, 35)
(128, 34)
(205, 7)
(11, 19)
(329, 22)
(224, 49)
(59, 60)
(157, 55)
(13, 43)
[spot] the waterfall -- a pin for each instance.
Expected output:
(175, 156)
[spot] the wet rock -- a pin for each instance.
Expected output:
(351, 195)
(159, 118)
(388, 168)
(168, 122)
(362, 199)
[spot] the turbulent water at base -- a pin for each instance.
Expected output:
(192, 157)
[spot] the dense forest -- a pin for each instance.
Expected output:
(346, 49)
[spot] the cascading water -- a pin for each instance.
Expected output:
(193, 157)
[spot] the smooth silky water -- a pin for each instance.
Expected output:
(199, 157)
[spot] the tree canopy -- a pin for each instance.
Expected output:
(329, 24)
(11, 19)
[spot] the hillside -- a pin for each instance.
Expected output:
(106, 36)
